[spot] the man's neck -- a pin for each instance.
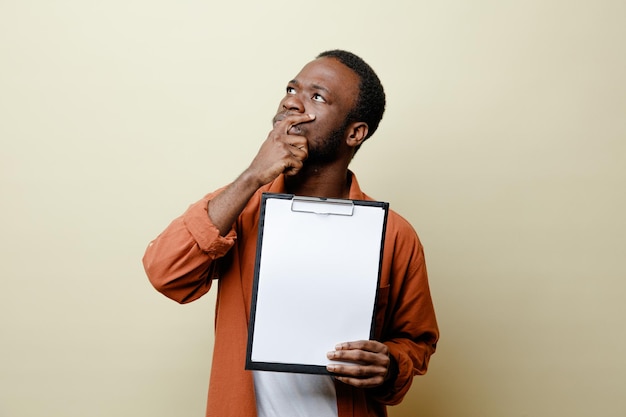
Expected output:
(329, 182)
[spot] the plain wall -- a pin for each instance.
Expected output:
(503, 143)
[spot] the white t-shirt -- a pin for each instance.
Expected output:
(287, 394)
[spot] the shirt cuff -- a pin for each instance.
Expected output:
(205, 233)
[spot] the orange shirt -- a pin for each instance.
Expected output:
(184, 259)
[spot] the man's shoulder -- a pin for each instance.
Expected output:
(400, 227)
(400, 220)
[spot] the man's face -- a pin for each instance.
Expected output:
(327, 89)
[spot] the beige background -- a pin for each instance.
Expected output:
(503, 144)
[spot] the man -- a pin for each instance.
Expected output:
(330, 108)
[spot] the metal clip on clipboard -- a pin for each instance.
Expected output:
(324, 206)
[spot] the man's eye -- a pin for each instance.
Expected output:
(291, 90)
(319, 98)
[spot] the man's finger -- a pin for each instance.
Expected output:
(367, 345)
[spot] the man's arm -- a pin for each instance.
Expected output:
(179, 261)
(280, 153)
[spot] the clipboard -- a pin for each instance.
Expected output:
(316, 277)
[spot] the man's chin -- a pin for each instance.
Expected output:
(318, 158)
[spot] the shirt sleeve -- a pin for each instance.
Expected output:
(411, 330)
(180, 262)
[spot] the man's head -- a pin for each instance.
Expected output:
(346, 98)
(370, 104)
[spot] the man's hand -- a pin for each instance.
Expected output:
(284, 151)
(371, 363)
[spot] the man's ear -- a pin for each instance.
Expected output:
(356, 133)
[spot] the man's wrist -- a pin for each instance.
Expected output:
(392, 371)
(249, 181)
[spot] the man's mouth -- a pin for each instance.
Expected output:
(279, 117)
(293, 130)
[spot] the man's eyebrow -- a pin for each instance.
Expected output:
(313, 86)
(319, 87)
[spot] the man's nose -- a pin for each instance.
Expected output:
(293, 103)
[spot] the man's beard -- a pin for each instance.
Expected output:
(327, 151)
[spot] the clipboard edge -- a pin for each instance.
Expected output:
(286, 367)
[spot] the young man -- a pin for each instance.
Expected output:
(330, 108)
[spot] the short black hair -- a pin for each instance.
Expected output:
(370, 104)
